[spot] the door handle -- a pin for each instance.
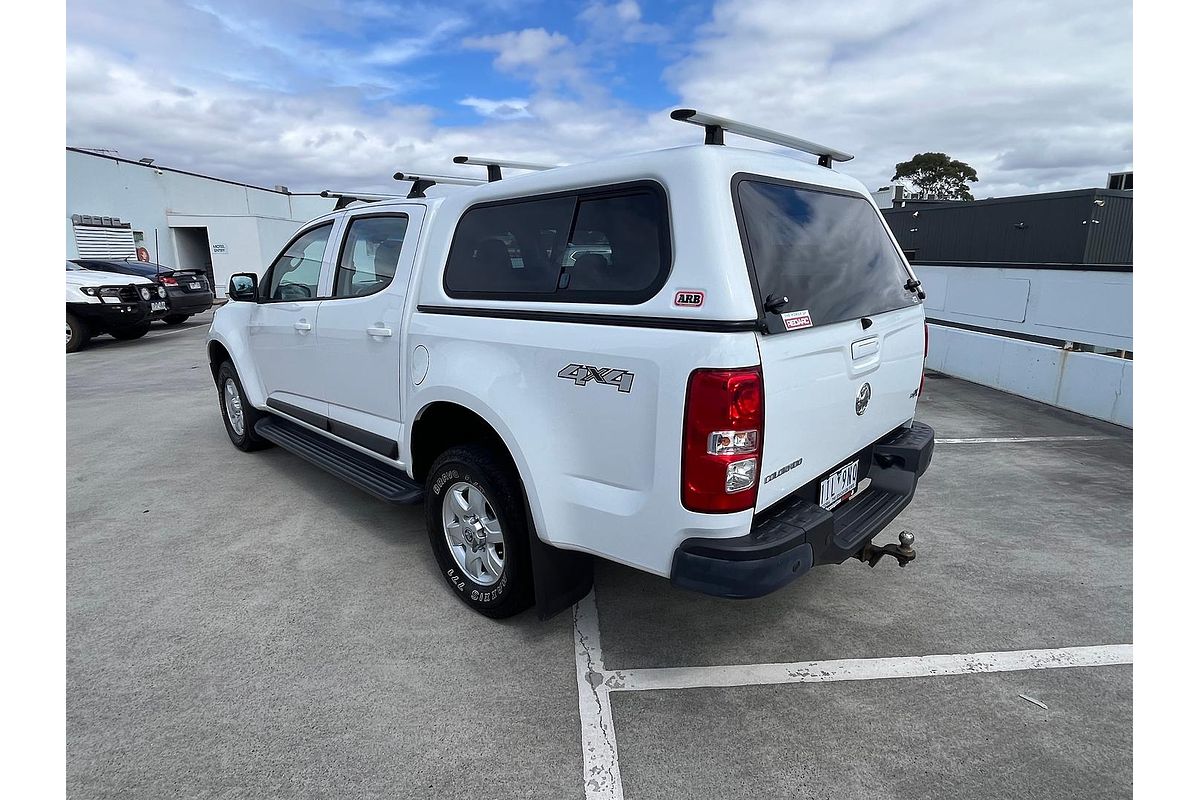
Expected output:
(864, 347)
(302, 326)
(374, 331)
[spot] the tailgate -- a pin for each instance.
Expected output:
(844, 341)
(813, 383)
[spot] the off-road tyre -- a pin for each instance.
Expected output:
(246, 439)
(495, 478)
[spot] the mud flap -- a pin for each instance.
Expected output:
(561, 578)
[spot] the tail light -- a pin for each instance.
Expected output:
(167, 280)
(722, 439)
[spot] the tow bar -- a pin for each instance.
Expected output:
(903, 552)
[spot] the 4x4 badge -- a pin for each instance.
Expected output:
(864, 397)
(582, 373)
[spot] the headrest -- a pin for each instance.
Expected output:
(493, 253)
(387, 256)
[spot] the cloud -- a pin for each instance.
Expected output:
(623, 21)
(321, 93)
(886, 81)
(514, 108)
(405, 49)
(532, 47)
(547, 59)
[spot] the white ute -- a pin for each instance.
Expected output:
(701, 362)
(108, 302)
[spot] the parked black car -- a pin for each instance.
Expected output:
(188, 291)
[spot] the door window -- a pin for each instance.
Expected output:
(370, 255)
(297, 271)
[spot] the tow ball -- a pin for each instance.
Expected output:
(902, 552)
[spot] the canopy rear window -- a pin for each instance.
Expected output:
(827, 253)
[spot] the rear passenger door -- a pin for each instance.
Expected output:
(359, 326)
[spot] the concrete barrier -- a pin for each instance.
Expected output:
(1084, 307)
(1092, 307)
(1087, 383)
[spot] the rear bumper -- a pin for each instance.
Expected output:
(188, 302)
(796, 534)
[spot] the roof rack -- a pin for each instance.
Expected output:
(346, 198)
(420, 183)
(494, 164)
(715, 128)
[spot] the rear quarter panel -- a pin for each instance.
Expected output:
(601, 466)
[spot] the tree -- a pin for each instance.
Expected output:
(935, 176)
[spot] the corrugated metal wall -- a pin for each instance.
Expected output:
(1053, 228)
(1111, 240)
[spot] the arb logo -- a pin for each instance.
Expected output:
(689, 297)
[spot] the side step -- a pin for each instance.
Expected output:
(368, 474)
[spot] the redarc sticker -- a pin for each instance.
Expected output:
(793, 320)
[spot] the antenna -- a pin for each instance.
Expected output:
(494, 164)
(715, 128)
(420, 183)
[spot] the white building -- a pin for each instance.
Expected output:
(888, 196)
(178, 219)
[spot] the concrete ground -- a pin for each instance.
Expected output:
(245, 625)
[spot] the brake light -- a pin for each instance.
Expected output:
(167, 280)
(722, 439)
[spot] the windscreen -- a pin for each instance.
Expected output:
(828, 254)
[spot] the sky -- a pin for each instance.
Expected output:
(339, 94)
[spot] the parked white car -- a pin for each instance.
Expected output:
(701, 362)
(108, 302)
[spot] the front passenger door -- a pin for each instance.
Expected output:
(282, 328)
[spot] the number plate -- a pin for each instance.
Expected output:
(841, 483)
(158, 305)
(193, 285)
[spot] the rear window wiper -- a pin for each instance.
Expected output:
(774, 303)
(914, 285)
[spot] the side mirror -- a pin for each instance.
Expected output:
(243, 286)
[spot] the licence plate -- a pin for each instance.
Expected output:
(838, 485)
(193, 285)
(158, 305)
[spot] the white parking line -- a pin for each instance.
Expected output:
(1004, 439)
(601, 773)
(601, 767)
(160, 334)
(867, 669)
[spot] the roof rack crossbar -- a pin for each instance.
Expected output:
(494, 165)
(421, 183)
(715, 128)
(346, 198)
